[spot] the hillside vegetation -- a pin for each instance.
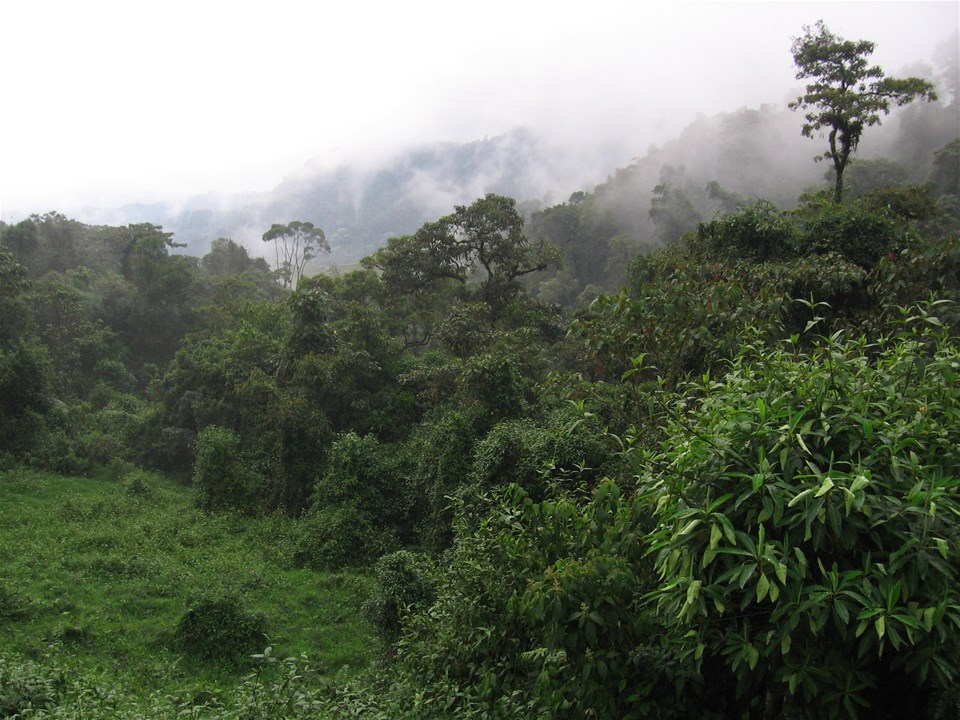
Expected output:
(692, 456)
(121, 595)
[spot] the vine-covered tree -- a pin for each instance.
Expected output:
(296, 244)
(846, 94)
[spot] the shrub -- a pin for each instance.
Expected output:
(401, 583)
(139, 483)
(860, 234)
(220, 474)
(339, 536)
(759, 233)
(220, 629)
(535, 613)
(806, 535)
(566, 450)
(12, 605)
(25, 685)
(365, 473)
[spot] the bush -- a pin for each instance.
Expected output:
(365, 473)
(220, 629)
(339, 536)
(806, 533)
(758, 233)
(222, 477)
(139, 483)
(25, 686)
(861, 235)
(535, 612)
(12, 605)
(401, 583)
(566, 450)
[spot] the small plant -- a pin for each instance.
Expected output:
(25, 685)
(12, 606)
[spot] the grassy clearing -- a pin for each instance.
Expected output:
(95, 576)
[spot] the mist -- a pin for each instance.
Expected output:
(189, 114)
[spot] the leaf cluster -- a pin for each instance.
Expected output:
(816, 493)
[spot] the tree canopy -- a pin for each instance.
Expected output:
(485, 240)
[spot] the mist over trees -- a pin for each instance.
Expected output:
(684, 445)
(752, 152)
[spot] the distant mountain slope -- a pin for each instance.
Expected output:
(360, 205)
(752, 152)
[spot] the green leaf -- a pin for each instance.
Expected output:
(799, 497)
(728, 530)
(859, 483)
(840, 608)
(909, 620)
(942, 547)
(880, 626)
(781, 570)
(825, 487)
(848, 501)
(763, 587)
(715, 534)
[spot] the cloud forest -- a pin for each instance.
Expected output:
(686, 444)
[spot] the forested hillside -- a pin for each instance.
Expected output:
(685, 445)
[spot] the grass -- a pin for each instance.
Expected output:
(95, 576)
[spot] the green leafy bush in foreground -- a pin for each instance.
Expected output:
(807, 539)
(25, 686)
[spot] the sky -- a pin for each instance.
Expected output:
(108, 102)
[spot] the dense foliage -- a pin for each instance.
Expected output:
(698, 462)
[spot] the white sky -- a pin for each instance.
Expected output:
(112, 101)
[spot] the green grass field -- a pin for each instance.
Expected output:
(95, 576)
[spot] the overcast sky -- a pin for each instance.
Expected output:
(106, 102)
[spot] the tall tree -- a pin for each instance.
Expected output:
(296, 244)
(847, 94)
(484, 241)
